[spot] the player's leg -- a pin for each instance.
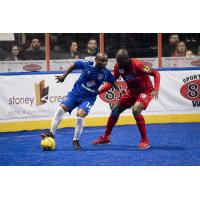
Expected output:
(67, 105)
(82, 112)
(122, 105)
(140, 105)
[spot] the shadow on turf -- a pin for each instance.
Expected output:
(121, 148)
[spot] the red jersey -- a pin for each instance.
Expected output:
(136, 75)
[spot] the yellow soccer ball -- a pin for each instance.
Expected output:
(48, 143)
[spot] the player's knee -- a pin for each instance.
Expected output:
(136, 111)
(115, 112)
(65, 108)
(81, 113)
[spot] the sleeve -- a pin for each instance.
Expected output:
(110, 78)
(82, 64)
(156, 76)
(143, 67)
(116, 73)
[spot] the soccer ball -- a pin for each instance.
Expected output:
(48, 143)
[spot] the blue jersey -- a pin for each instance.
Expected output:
(91, 79)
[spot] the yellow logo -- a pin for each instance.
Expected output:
(41, 93)
(146, 68)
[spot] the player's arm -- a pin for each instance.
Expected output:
(109, 85)
(156, 76)
(151, 72)
(61, 78)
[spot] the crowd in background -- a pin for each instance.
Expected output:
(82, 45)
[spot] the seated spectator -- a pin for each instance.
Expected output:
(191, 43)
(180, 50)
(73, 51)
(3, 53)
(34, 52)
(14, 54)
(91, 49)
(169, 50)
(189, 54)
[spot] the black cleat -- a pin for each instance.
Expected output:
(77, 145)
(48, 134)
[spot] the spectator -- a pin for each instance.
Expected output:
(91, 48)
(73, 51)
(180, 50)
(14, 54)
(170, 49)
(34, 52)
(191, 43)
(189, 54)
(198, 53)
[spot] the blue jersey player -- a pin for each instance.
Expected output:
(83, 94)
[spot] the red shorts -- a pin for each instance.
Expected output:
(129, 99)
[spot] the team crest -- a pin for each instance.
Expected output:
(146, 68)
(100, 76)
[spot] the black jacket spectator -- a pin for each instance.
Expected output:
(34, 52)
(34, 55)
(169, 50)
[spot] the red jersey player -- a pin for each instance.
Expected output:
(139, 94)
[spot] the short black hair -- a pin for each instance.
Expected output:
(171, 34)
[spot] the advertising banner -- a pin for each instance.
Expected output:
(37, 97)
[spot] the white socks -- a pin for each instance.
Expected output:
(57, 119)
(78, 128)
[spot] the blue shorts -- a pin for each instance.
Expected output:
(72, 101)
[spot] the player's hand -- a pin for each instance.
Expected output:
(154, 94)
(59, 79)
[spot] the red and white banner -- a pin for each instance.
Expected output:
(37, 97)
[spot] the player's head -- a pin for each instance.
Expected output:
(122, 58)
(101, 60)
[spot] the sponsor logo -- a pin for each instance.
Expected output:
(100, 76)
(195, 63)
(41, 93)
(32, 67)
(90, 83)
(191, 89)
(129, 78)
(113, 95)
(88, 89)
(41, 97)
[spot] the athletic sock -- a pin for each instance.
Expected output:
(57, 119)
(142, 127)
(112, 120)
(78, 128)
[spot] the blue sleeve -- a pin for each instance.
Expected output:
(110, 78)
(82, 64)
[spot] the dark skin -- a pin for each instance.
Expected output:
(123, 61)
(101, 62)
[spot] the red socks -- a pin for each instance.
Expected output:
(110, 124)
(142, 127)
(140, 123)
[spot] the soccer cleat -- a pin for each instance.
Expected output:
(49, 134)
(77, 145)
(143, 145)
(101, 140)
